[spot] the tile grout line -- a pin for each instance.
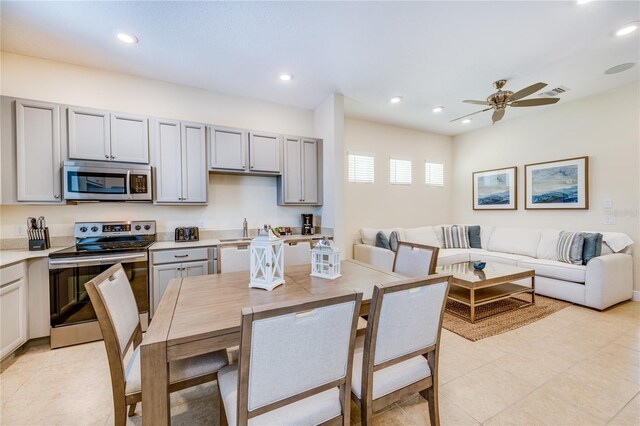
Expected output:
(623, 407)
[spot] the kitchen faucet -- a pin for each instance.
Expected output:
(245, 229)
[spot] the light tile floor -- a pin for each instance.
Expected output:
(575, 367)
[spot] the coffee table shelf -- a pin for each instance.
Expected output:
(487, 294)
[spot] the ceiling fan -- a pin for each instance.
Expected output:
(500, 100)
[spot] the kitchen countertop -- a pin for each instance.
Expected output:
(169, 245)
(8, 257)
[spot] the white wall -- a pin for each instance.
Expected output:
(382, 205)
(230, 197)
(604, 127)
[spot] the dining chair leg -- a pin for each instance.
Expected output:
(132, 409)
(119, 412)
(223, 414)
(366, 413)
(431, 395)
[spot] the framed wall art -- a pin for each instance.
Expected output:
(496, 189)
(561, 184)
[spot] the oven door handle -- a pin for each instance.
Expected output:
(98, 260)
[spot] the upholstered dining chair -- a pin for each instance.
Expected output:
(399, 355)
(295, 363)
(415, 260)
(115, 306)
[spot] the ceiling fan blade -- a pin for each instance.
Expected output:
(473, 113)
(527, 91)
(534, 102)
(476, 102)
(497, 115)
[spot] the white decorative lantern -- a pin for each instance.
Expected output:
(267, 260)
(325, 260)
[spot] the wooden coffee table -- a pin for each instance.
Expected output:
(495, 282)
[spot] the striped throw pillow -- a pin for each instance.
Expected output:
(570, 246)
(456, 236)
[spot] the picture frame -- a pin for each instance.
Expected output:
(495, 189)
(557, 185)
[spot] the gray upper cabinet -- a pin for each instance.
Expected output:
(301, 179)
(89, 134)
(264, 152)
(38, 152)
(129, 138)
(107, 136)
(180, 163)
(227, 149)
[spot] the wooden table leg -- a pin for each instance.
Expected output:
(533, 287)
(472, 306)
(155, 384)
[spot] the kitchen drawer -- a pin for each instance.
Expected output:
(12, 273)
(297, 253)
(180, 255)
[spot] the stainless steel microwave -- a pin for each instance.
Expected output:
(106, 181)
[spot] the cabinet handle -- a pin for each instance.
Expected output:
(56, 196)
(106, 156)
(113, 157)
(180, 255)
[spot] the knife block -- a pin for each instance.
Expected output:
(39, 242)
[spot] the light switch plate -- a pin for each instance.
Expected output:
(21, 230)
(607, 203)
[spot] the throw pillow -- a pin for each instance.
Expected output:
(592, 246)
(456, 236)
(474, 237)
(382, 241)
(393, 241)
(570, 246)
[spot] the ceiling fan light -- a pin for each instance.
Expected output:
(627, 29)
(581, 2)
(438, 109)
(127, 38)
(396, 100)
(466, 121)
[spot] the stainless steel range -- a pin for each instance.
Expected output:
(99, 245)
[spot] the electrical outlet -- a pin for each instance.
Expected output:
(200, 224)
(609, 219)
(21, 230)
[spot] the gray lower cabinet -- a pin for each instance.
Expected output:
(38, 152)
(180, 163)
(107, 136)
(13, 308)
(301, 177)
(227, 149)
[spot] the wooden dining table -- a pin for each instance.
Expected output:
(198, 315)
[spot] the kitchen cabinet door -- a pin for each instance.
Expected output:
(129, 138)
(234, 258)
(310, 171)
(195, 177)
(161, 275)
(292, 173)
(168, 162)
(195, 269)
(264, 152)
(38, 152)
(227, 148)
(13, 316)
(89, 134)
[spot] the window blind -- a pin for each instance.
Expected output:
(400, 172)
(361, 168)
(434, 174)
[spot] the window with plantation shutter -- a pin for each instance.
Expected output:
(360, 168)
(434, 174)
(400, 172)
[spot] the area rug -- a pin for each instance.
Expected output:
(504, 322)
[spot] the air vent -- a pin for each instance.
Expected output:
(554, 92)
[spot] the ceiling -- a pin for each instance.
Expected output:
(430, 53)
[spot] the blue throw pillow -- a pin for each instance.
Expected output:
(382, 241)
(393, 241)
(474, 236)
(592, 246)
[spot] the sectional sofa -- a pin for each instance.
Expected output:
(604, 281)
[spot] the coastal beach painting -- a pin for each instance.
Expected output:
(561, 184)
(495, 189)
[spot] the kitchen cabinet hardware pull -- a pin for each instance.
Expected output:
(56, 196)
(113, 157)
(106, 156)
(180, 255)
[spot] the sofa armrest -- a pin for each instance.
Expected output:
(609, 280)
(376, 256)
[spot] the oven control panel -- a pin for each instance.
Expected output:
(113, 229)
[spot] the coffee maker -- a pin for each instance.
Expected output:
(307, 224)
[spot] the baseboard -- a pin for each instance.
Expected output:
(636, 296)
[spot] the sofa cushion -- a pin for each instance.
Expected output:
(555, 269)
(382, 241)
(570, 247)
(493, 256)
(368, 235)
(449, 256)
(515, 240)
(474, 237)
(424, 235)
(485, 234)
(548, 245)
(592, 246)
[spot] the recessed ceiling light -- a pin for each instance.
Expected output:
(285, 76)
(466, 121)
(619, 68)
(438, 109)
(627, 29)
(581, 2)
(127, 38)
(395, 100)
